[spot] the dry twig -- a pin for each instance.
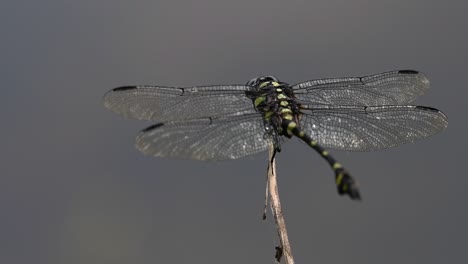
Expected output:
(285, 248)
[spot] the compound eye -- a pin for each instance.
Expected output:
(253, 82)
(271, 78)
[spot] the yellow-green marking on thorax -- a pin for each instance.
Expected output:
(259, 100)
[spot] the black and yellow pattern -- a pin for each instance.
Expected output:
(282, 112)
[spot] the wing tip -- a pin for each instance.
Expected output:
(419, 77)
(440, 114)
(431, 109)
(108, 97)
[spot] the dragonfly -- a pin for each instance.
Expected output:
(223, 122)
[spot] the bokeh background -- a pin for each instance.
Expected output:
(73, 189)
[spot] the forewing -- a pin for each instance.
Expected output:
(388, 88)
(158, 103)
(371, 128)
(223, 138)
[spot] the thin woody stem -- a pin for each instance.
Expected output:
(285, 248)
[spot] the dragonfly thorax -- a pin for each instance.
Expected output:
(276, 102)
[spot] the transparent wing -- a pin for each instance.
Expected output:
(229, 137)
(388, 88)
(371, 128)
(172, 103)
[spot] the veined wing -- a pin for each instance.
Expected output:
(163, 104)
(388, 88)
(371, 128)
(226, 137)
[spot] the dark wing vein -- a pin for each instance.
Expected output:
(171, 103)
(227, 137)
(388, 88)
(371, 128)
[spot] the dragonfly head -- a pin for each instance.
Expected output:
(260, 82)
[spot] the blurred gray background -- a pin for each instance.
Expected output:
(73, 189)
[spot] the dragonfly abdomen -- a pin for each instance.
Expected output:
(343, 180)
